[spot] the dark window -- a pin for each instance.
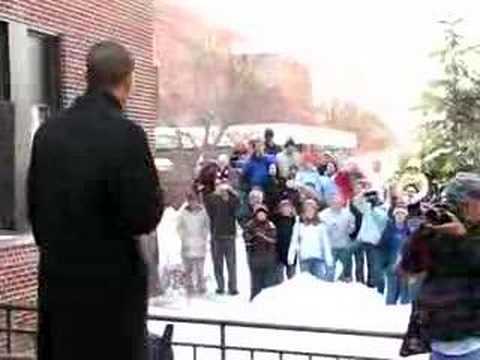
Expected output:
(4, 63)
(44, 57)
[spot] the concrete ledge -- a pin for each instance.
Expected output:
(16, 357)
(14, 240)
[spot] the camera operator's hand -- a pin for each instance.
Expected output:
(455, 227)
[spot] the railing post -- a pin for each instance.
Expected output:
(222, 341)
(9, 330)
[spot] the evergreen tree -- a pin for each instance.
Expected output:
(451, 130)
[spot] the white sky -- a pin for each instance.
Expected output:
(373, 52)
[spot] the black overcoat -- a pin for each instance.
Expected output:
(92, 187)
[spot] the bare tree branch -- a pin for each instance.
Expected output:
(183, 134)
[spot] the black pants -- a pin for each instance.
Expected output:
(264, 272)
(223, 250)
(359, 257)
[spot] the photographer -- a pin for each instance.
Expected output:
(446, 250)
(374, 221)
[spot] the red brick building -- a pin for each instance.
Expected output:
(43, 45)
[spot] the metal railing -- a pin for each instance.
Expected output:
(223, 346)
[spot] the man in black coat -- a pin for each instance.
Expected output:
(92, 190)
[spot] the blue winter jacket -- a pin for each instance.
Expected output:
(393, 239)
(255, 172)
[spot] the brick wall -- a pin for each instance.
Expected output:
(18, 285)
(79, 24)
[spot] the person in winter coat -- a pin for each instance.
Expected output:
(224, 172)
(256, 170)
(340, 223)
(446, 251)
(309, 176)
(310, 243)
(374, 221)
(284, 221)
(358, 253)
(260, 237)
(394, 238)
(273, 190)
(270, 147)
(255, 198)
(287, 158)
(193, 228)
(222, 207)
(206, 179)
(328, 185)
(289, 191)
(92, 190)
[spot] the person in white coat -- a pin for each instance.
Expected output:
(193, 228)
(310, 243)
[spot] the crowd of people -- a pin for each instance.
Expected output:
(299, 210)
(302, 211)
(93, 195)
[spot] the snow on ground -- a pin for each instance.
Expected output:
(302, 301)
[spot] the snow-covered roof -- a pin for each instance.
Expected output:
(168, 137)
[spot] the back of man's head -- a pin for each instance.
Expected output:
(109, 65)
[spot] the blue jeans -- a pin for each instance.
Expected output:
(398, 288)
(344, 255)
(375, 268)
(315, 267)
(475, 355)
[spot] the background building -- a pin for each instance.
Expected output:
(286, 94)
(193, 59)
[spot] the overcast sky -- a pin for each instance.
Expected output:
(373, 52)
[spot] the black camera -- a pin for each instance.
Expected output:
(437, 214)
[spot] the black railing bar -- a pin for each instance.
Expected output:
(244, 324)
(275, 351)
(223, 341)
(195, 348)
(9, 331)
(252, 355)
(267, 326)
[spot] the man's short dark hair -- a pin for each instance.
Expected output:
(269, 134)
(108, 64)
(290, 142)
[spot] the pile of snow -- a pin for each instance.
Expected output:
(307, 300)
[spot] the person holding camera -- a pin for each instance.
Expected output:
(446, 251)
(222, 206)
(374, 222)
